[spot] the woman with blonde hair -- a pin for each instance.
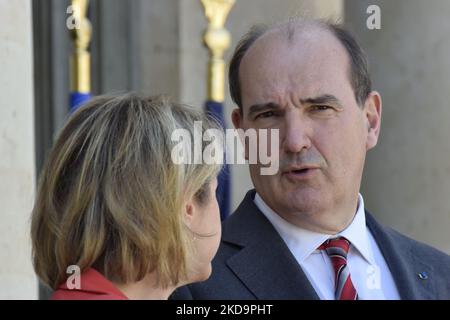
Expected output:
(112, 203)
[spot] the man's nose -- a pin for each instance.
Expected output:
(297, 133)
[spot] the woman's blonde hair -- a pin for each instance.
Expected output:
(110, 196)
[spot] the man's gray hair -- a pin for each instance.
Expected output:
(359, 69)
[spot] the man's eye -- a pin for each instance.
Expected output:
(265, 114)
(321, 108)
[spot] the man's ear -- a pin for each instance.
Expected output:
(372, 112)
(236, 118)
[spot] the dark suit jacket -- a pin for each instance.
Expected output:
(253, 262)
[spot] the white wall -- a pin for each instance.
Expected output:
(17, 159)
(407, 177)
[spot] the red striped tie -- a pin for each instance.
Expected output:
(337, 250)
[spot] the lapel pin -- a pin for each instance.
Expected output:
(423, 275)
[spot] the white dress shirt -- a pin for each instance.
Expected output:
(369, 271)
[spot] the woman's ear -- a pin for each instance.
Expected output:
(372, 112)
(188, 214)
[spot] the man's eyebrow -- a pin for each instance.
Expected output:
(323, 99)
(262, 106)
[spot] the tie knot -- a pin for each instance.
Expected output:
(338, 245)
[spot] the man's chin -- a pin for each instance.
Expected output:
(307, 201)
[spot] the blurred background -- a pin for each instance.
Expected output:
(156, 46)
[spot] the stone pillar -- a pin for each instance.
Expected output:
(17, 156)
(158, 40)
(407, 176)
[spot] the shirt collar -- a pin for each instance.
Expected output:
(303, 243)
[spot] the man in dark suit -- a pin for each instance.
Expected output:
(304, 233)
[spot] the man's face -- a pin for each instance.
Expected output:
(302, 87)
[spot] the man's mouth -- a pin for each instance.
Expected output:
(300, 173)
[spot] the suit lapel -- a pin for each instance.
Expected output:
(264, 264)
(269, 270)
(404, 265)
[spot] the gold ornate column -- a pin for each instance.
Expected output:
(217, 39)
(80, 63)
